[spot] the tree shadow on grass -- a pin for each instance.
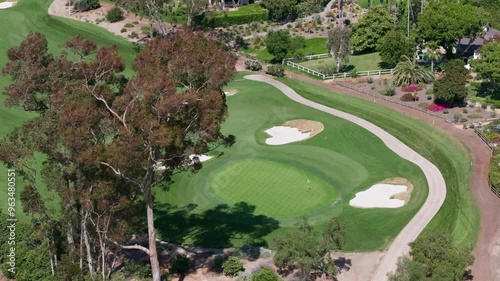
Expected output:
(213, 228)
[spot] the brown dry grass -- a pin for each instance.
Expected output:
(306, 126)
(405, 196)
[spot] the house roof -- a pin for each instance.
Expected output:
(479, 41)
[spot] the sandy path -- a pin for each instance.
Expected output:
(437, 187)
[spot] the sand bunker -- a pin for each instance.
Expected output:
(5, 5)
(293, 131)
(231, 92)
(391, 193)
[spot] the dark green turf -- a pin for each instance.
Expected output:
(344, 155)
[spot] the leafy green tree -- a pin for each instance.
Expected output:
(488, 66)
(280, 44)
(433, 257)
(408, 72)
(393, 46)
(306, 250)
(445, 23)
(280, 10)
(339, 45)
(265, 274)
(451, 88)
(370, 29)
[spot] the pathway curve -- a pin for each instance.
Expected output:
(437, 186)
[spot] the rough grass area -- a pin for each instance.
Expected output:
(459, 214)
(360, 62)
(366, 3)
(202, 209)
(313, 46)
(18, 21)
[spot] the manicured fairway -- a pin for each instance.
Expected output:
(459, 213)
(31, 16)
(277, 190)
(344, 157)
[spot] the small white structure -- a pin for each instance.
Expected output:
(379, 196)
(201, 157)
(5, 5)
(283, 135)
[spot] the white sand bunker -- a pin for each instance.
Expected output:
(201, 158)
(5, 5)
(391, 193)
(230, 92)
(293, 131)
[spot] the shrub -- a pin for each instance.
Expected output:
(409, 97)
(354, 73)
(115, 14)
(145, 28)
(457, 117)
(180, 264)
(369, 80)
(385, 81)
(372, 87)
(276, 70)
(253, 65)
(135, 22)
(137, 270)
(435, 108)
(265, 274)
(446, 111)
(484, 105)
(423, 105)
(412, 88)
(465, 111)
(123, 30)
(429, 97)
(86, 5)
(389, 91)
(232, 266)
(133, 35)
(216, 264)
(330, 14)
(128, 25)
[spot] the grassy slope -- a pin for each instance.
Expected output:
(459, 214)
(313, 46)
(346, 156)
(360, 62)
(31, 16)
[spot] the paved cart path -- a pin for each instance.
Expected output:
(437, 187)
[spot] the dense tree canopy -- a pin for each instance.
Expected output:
(108, 138)
(488, 66)
(281, 45)
(444, 23)
(451, 88)
(369, 30)
(393, 46)
(433, 257)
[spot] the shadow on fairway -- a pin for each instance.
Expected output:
(214, 228)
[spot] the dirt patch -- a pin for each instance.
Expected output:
(405, 196)
(358, 266)
(306, 126)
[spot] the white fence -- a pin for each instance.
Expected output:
(344, 75)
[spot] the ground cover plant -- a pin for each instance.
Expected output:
(459, 214)
(255, 192)
(29, 16)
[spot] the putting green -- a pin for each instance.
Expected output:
(276, 190)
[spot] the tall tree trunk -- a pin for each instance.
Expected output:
(87, 244)
(153, 254)
(432, 66)
(338, 65)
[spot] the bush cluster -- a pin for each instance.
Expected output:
(115, 14)
(253, 65)
(232, 266)
(276, 70)
(180, 264)
(86, 5)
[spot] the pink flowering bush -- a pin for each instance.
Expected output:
(412, 88)
(436, 108)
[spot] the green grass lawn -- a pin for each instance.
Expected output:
(366, 3)
(270, 181)
(31, 16)
(313, 46)
(360, 62)
(459, 214)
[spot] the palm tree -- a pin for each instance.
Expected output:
(409, 73)
(434, 55)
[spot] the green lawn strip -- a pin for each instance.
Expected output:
(346, 157)
(31, 16)
(459, 213)
(313, 46)
(360, 62)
